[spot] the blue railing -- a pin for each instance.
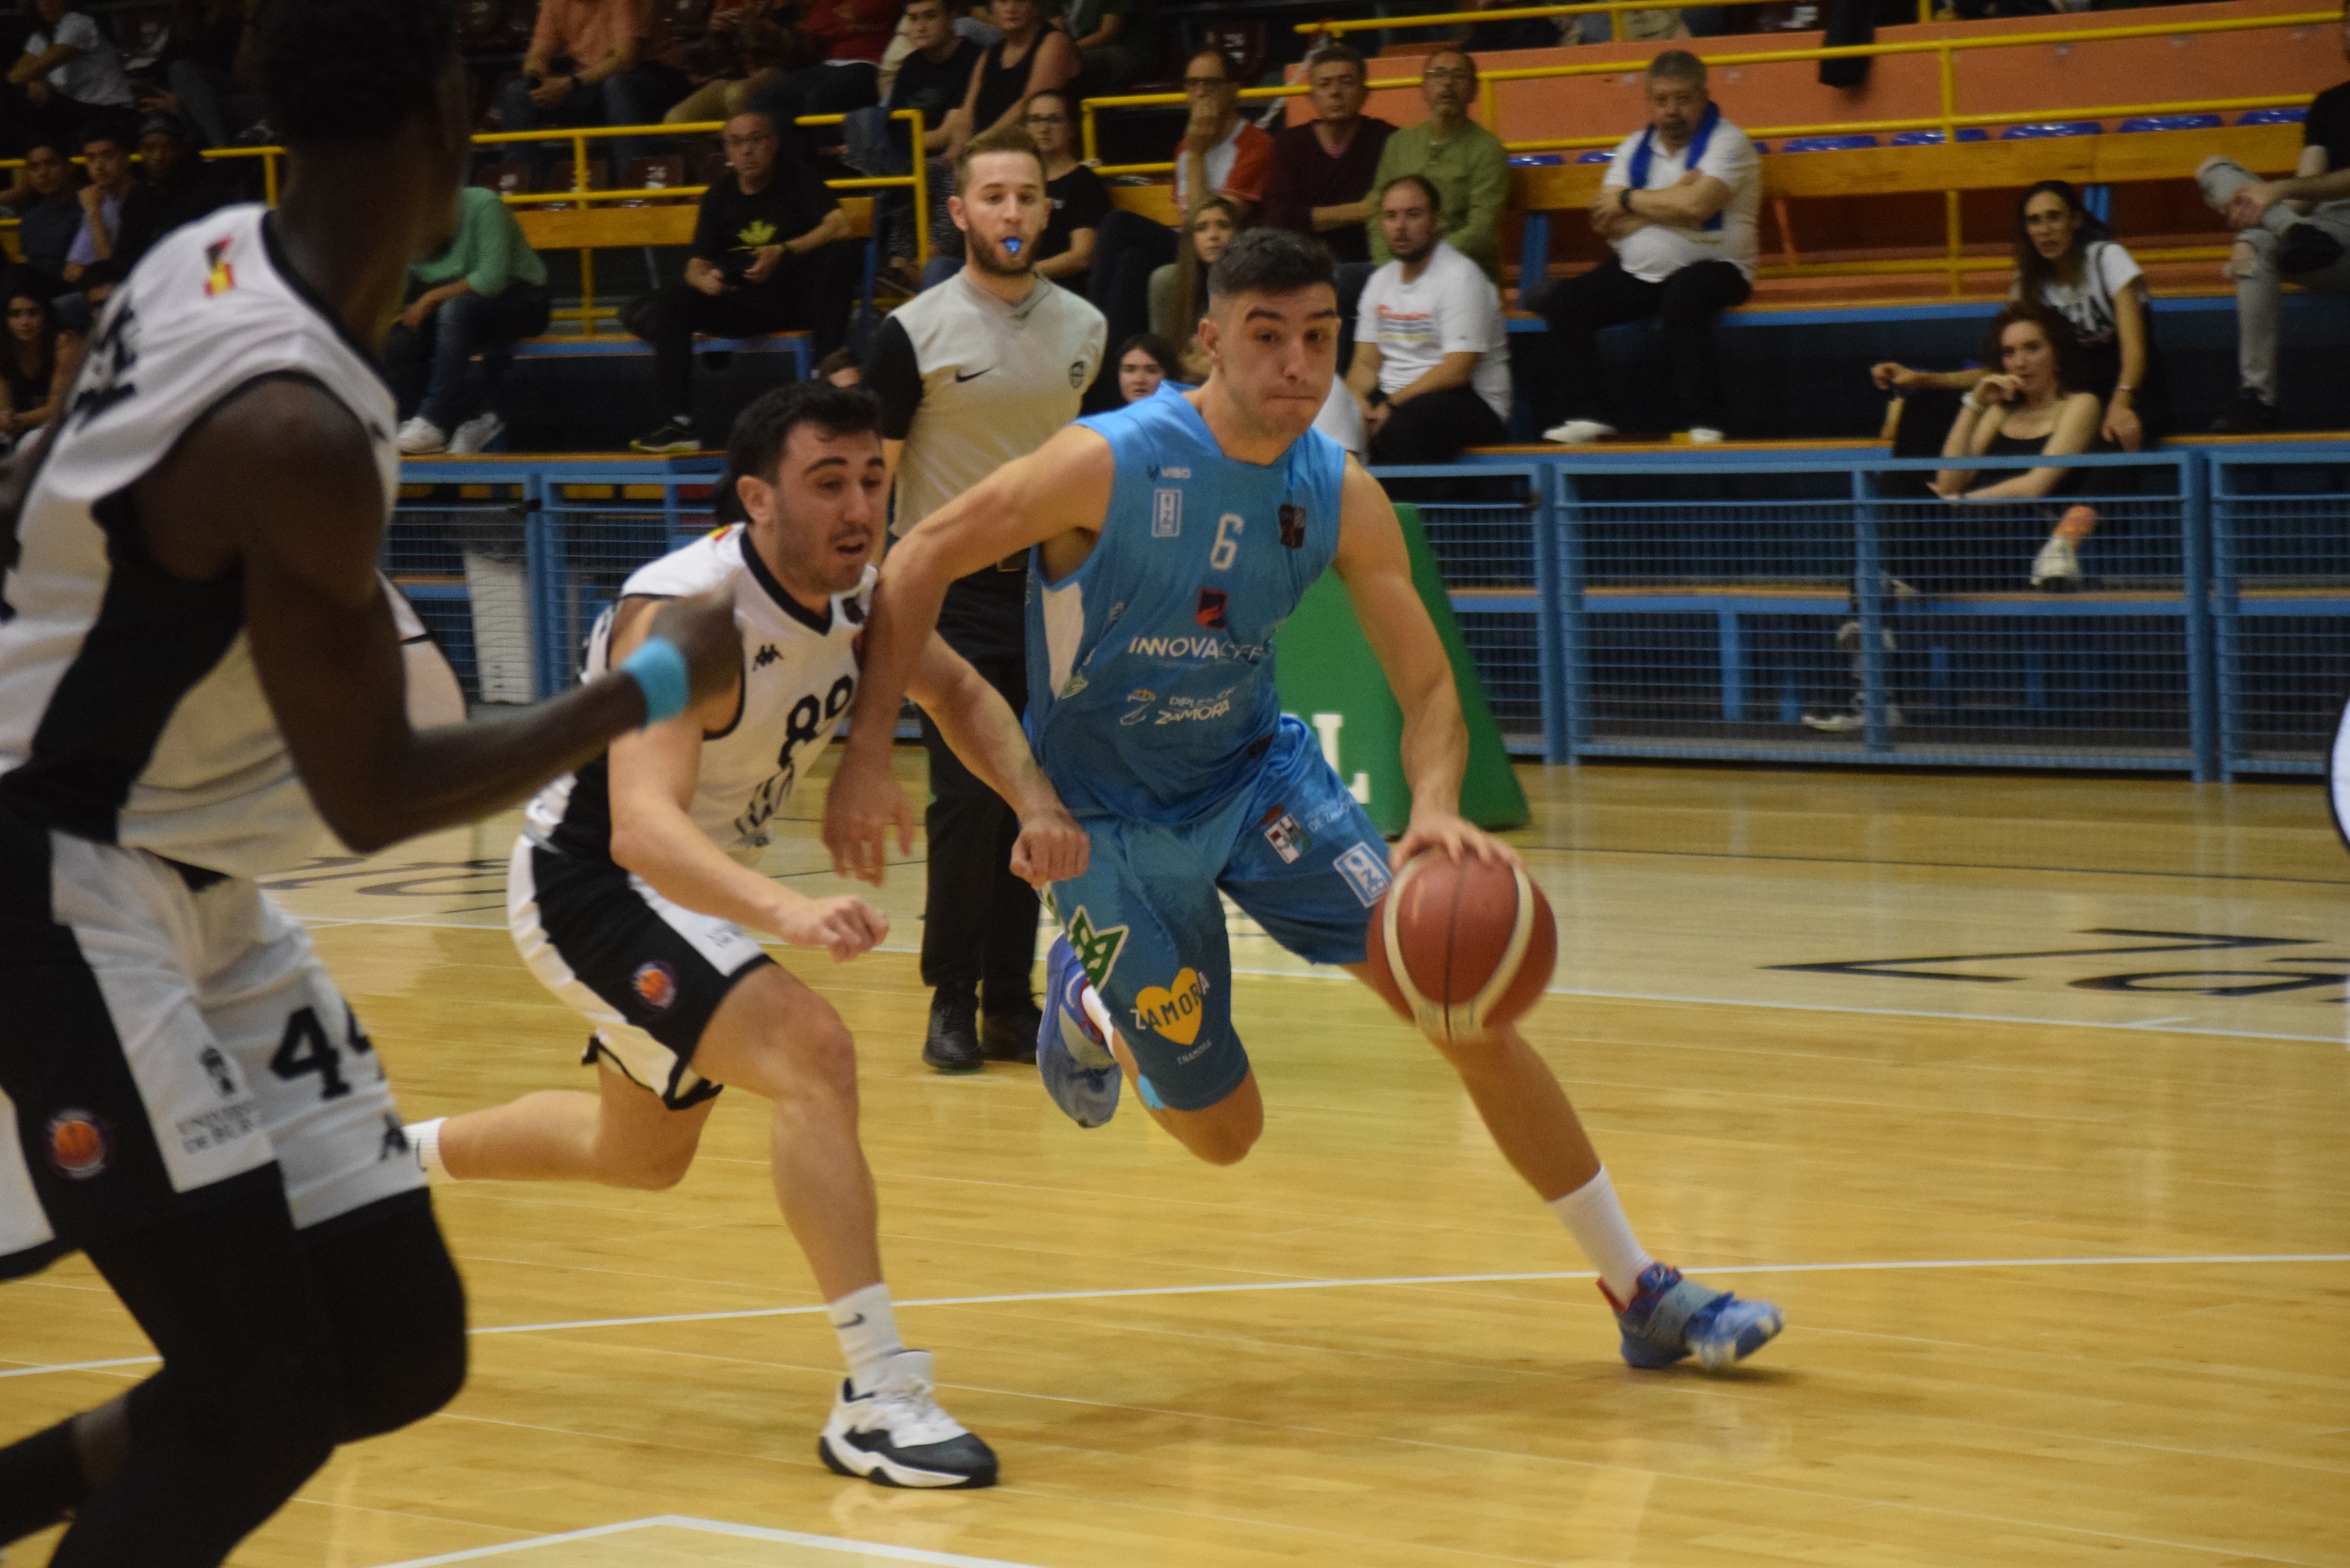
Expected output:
(1734, 605)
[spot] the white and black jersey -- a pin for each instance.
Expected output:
(799, 679)
(647, 974)
(130, 712)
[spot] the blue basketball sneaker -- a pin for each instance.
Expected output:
(1072, 1057)
(1670, 1317)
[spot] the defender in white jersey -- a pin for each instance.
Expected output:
(200, 677)
(633, 886)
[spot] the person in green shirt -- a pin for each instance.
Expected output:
(482, 295)
(1461, 158)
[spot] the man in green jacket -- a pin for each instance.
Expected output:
(1461, 158)
(482, 295)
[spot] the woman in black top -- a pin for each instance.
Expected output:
(1030, 58)
(2037, 403)
(37, 364)
(1065, 252)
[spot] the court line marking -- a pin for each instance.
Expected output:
(1246, 1286)
(721, 1527)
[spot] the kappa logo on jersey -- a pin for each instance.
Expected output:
(1097, 950)
(655, 984)
(1281, 830)
(219, 277)
(768, 654)
(216, 1065)
(1364, 873)
(1175, 1009)
(1165, 513)
(1209, 611)
(1077, 375)
(78, 1146)
(1293, 526)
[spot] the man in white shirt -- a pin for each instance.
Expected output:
(69, 74)
(1431, 360)
(1679, 203)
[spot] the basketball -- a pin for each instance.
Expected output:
(1461, 947)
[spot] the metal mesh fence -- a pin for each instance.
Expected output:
(2281, 604)
(458, 554)
(1487, 528)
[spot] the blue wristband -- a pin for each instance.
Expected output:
(659, 669)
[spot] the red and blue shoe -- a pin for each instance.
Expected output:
(1073, 1056)
(1670, 1317)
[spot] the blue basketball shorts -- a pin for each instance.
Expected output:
(1295, 851)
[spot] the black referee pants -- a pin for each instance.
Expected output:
(979, 925)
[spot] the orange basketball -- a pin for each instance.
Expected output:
(1462, 947)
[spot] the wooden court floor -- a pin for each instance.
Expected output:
(2028, 1099)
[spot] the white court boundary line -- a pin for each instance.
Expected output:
(1246, 1286)
(718, 1527)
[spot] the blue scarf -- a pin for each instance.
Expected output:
(1648, 147)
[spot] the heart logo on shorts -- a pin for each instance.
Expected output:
(1173, 1011)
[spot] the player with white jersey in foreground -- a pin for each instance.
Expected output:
(1172, 538)
(632, 885)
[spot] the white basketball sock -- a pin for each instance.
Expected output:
(424, 1137)
(866, 1327)
(1595, 1220)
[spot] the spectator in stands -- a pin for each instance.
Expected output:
(1065, 252)
(1461, 158)
(851, 34)
(37, 360)
(934, 77)
(176, 187)
(2036, 404)
(68, 77)
(105, 152)
(1145, 363)
(2062, 261)
(1322, 170)
(842, 367)
(2294, 230)
(745, 52)
(771, 253)
(1677, 203)
(212, 69)
(593, 62)
(482, 295)
(1432, 369)
(1179, 291)
(48, 218)
(1117, 41)
(1028, 59)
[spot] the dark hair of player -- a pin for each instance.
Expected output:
(1270, 260)
(760, 432)
(352, 71)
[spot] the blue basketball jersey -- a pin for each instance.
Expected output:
(1150, 690)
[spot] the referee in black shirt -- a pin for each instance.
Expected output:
(972, 374)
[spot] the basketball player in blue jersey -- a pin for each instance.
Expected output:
(1172, 538)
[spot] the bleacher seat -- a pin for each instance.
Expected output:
(506, 179)
(2054, 127)
(664, 173)
(1241, 43)
(1934, 138)
(1595, 155)
(2272, 116)
(2139, 122)
(560, 177)
(1828, 143)
(1535, 160)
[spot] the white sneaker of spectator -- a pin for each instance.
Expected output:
(2057, 568)
(476, 433)
(419, 437)
(1579, 432)
(1704, 435)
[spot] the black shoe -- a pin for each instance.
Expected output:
(953, 1043)
(676, 436)
(1008, 1033)
(2306, 248)
(2249, 414)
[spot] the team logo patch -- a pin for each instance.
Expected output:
(1365, 872)
(1165, 513)
(1209, 612)
(216, 1066)
(1097, 950)
(655, 984)
(768, 654)
(1281, 830)
(1077, 375)
(79, 1144)
(219, 277)
(1173, 1010)
(1292, 527)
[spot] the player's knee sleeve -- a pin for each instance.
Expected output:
(399, 1313)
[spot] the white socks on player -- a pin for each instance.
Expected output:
(424, 1137)
(866, 1327)
(1595, 1220)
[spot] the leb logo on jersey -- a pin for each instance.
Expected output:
(1165, 513)
(79, 1144)
(1365, 875)
(655, 984)
(1293, 526)
(219, 277)
(1097, 950)
(1209, 612)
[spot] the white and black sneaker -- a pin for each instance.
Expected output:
(885, 1428)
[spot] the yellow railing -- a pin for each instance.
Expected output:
(588, 313)
(1949, 120)
(1615, 10)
